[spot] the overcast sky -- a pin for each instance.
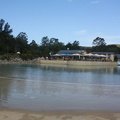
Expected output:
(67, 20)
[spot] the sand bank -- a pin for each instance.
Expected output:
(60, 62)
(76, 63)
(24, 115)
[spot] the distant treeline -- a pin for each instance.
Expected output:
(19, 46)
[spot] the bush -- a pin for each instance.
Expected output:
(26, 56)
(5, 57)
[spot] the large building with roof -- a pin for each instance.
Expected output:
(82, 55)
(68, 54)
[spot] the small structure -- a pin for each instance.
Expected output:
(18, 52)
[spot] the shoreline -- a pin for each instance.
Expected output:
(8, 114)
(60, 62)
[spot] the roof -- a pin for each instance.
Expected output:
(103, 53)
(118, 56)
(70, 51)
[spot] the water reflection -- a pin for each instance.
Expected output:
(45, 87)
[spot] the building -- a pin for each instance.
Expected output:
(82, 55)
(110, 56)
(68, 54)
(118, 57)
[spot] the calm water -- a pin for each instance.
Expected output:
(41, 88)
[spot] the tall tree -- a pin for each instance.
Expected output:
(99, 41)
(50, 46)
(45, 46)
(55, 45)
(2, 22)
(6, 39)
(45, 41)
(33, 44)
(75, 45)
(22, 42)
(68, 46)
(34, 49)
(5, 27)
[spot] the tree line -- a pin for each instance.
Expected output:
(11, 45)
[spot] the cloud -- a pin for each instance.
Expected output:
(112, 39)
(95, 2)
(81, 32)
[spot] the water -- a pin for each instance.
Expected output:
(43, 88)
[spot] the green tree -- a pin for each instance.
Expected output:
(68, 46)
(45, 46)
(22, 42)
(45, 41)
(34, 49)
(33, 44)
(112, 48)
(50, 46)
(7, 42)
(99, 42)
(5, 27)
(55, 45)
(75, 45)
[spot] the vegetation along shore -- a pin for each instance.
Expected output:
(12, 47)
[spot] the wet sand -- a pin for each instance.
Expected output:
(61, 115)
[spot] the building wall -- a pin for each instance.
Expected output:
(76, 63)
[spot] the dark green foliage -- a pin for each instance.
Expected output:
(34, 49)
(8, 56)
(26, 56)
(5, 27)
(12, 47)
(107, 48)
(112, 48)
(55, 45)
(100, 46)
(7, 41)
(99, 41)
(50, 46)
(21, 42)
(73, 46)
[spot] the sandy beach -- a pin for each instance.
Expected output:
(66, 115)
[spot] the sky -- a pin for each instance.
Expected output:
(67, 20)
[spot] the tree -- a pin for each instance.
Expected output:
(22, 42)
(33, 44)
(23, 37)
(50, 46)
(45, 41)
(5, 27)
(34, 49)
(99, 41)
(75, 45)
(112, 48)
(69, 46)
(45, 46)
(2, 22)
(7, 43)
(55, 45)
